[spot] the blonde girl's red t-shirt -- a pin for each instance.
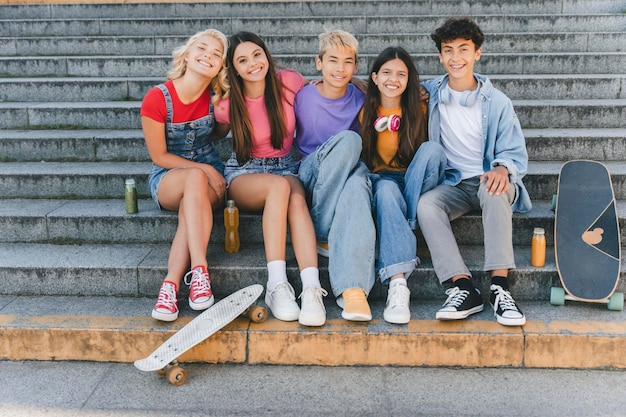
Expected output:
(153, 105)
(261, 142)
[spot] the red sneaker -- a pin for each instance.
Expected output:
(166, 307)
(200, 293)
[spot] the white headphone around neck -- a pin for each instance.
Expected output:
(391, 123)
(468, 98)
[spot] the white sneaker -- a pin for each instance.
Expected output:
(397, 307)
(282, 302)
(313, 312)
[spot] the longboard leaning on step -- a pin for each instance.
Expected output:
(586, 236)
(164, 358)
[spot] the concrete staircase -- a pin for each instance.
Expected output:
(78, 276)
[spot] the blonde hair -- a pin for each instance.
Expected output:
(339, 39)
(219, 84)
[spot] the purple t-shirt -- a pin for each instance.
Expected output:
(319, 118)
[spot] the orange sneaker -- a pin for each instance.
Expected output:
(322, 249)
(355, 304)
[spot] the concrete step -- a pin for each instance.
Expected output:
(358, 23)
(133, 270)
(91, 145)
(157, 65)
(106, 179)
(114, 329)
(73, 145)
(106, 221)
(594, 113)
(303, 8)
(516, 87)
(288, 44)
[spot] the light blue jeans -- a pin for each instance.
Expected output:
(339, 195)
(438, 207)
(396, 196)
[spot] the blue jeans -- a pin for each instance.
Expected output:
(396, 196)
(396, 240)
(339, 195)
(280, 166)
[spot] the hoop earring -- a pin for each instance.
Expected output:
(391, 123)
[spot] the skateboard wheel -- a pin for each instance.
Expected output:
(161, 372)
(557, 296)
(176, 375)
(257, 314)
(553, 202)
(616, 302)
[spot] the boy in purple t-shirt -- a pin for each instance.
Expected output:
(333, 176)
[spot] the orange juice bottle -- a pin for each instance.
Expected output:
(231, 223)
(538, 247)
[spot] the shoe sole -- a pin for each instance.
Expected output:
(510, 322)
(203, 305)
(458, 315)
(356, 317)
(396, 320)
(163, 316)
(312, 323)
(323, 252)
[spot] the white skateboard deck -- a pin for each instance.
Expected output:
(200, 328)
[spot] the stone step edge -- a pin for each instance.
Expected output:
(468, 343)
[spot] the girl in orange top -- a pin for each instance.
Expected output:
(393, 127)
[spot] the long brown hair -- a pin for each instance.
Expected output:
(413, 127)
(240, 124)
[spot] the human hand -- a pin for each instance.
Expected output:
(424, 94)
(497, 180)
(216, 180)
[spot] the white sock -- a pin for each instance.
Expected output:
(310, 277)
(276, 273)
(397, 281)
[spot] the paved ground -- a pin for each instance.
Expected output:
(111, 389)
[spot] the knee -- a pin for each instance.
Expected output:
(386, 191)
(196, 178)
(349, 142)
(426, 208)
(280, 187)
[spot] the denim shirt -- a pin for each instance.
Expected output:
(503, 140)
(190, 140)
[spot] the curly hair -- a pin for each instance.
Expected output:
(458, 28)
(219, 84)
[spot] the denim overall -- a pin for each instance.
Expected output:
(190, 140)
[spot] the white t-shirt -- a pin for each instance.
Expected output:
(461, 135)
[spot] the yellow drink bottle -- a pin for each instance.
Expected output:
(231, 223)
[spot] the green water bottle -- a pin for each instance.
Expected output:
(130, 194)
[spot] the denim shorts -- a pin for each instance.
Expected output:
(283, 165)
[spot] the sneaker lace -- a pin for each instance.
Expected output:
(313, 294)
(456, 296)
(199, 282)
(399, 296)
(503, 299)
(283, 292)
(167, 297)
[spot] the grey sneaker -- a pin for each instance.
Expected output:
(282, 302)
(312, 312)
(397, 308)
